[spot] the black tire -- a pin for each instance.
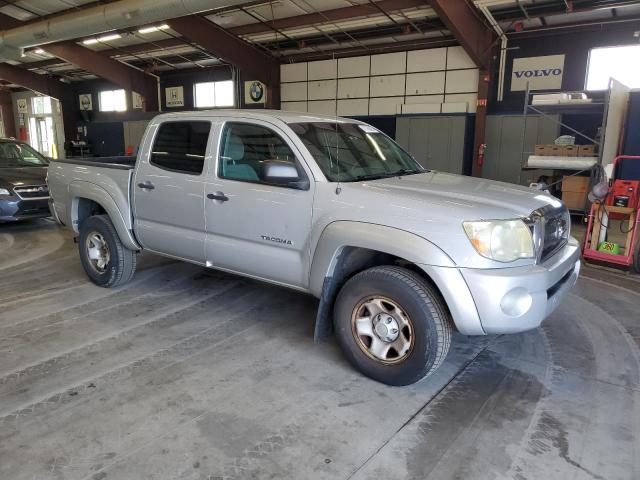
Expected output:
(636, 256)
(122, 262)
(429, 319)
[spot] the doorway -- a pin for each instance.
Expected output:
(41, 127)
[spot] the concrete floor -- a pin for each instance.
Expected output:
(193, 374)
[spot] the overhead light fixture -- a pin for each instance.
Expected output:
(39, 51)
(155, 28)
(104, 38)
(108, 38)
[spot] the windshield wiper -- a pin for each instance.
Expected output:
(378, 176)
(370, 176)
(405, 171)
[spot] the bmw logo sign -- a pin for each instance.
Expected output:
(256, 91)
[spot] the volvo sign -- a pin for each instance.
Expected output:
(541, 73)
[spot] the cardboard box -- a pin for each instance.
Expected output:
(558, 150)
(570, 150)
(586, 150)
(542, 150)
(575, 184)
(574, 200)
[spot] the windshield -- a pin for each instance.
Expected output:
(14, 154)
(356, 152)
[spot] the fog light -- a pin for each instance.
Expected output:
(517, 302)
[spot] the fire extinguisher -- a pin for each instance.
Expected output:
(481, 150)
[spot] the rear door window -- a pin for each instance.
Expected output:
(181, 147)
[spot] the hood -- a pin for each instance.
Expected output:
(475, 198)
(14, 177)
(432, 205)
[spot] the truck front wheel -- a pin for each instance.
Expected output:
(106, 261)
(392, 325)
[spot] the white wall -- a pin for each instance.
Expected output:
(439, 80)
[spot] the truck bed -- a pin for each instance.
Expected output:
(102, 179)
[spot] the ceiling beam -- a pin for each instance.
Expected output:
(550, 8)
(145, 47)
(587, 26)
(114, 52)
(372, 49)
(463, 20)
(42, 64)
(102, 65)
(43, 84)
(7, 22)
(332, 15)
(254, 63)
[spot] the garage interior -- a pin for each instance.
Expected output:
(192, 373)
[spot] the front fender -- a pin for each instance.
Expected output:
(91, 191)
(334, 250)
(399, 243)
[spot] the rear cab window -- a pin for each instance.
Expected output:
(181, 146)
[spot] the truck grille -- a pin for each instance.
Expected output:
(555, 232)
(29, 192)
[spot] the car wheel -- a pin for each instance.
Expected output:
(392, 325)
(107, 262)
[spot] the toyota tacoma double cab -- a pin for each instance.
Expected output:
(399, 255)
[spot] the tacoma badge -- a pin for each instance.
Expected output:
(276, 240)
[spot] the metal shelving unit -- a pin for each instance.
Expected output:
(547, 112)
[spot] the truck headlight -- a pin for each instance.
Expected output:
(4, 191)
(501, 240)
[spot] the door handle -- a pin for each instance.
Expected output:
(147, 185)
(221, 197)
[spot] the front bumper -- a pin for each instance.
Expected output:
(510, 300)
(14, 208)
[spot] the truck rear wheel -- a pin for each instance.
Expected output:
(106, 261)
(392, 325)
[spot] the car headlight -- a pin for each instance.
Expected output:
(4, 191)
(501, 240)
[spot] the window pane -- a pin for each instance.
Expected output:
(19, 155)
(244, 149)
(41, 105)
(205, 95)
(119, 100)
(214, 94)
(36, 105)
(181, 146)
(224, 94)
(621, 63)
(113, 101)
(46, 105)
(106, 101)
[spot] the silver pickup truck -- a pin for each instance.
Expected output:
(398, 255)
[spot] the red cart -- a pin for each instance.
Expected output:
(630, 257)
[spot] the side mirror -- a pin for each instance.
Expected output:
(284, 174)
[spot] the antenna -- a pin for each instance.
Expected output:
(338, 187)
